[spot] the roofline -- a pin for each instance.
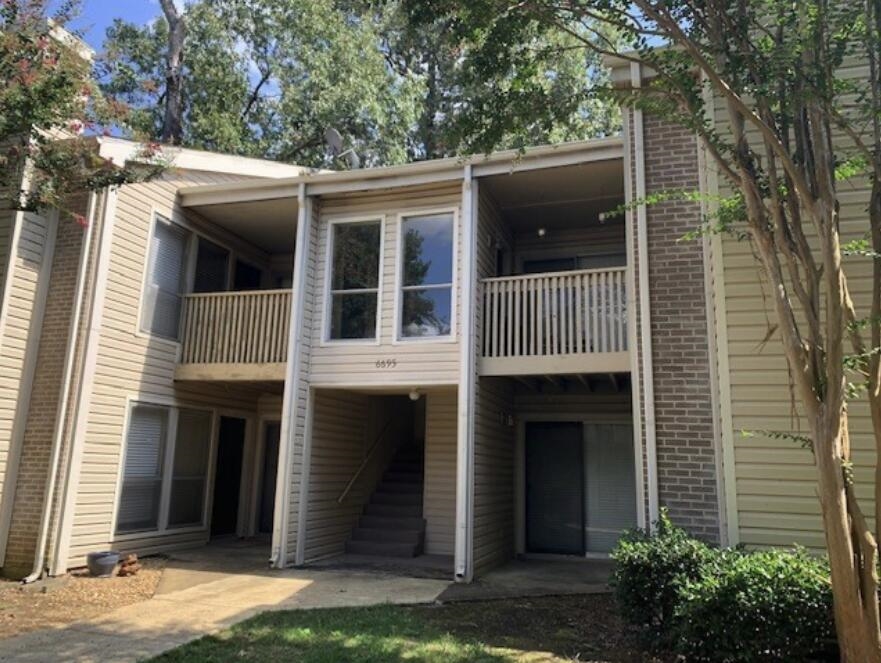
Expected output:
(411, 174)
(121, 151)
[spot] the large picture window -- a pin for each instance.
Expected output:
(354, 280)
(167, 452)
(426, 308)
(166, 276)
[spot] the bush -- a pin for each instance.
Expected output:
(650, 571)
(706, 604)
(770, 605)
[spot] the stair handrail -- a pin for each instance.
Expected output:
(366, 460)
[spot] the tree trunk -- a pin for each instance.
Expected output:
(172, 124)
(849, 544)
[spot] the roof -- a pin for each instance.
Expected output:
(420, 172)
(121, 151)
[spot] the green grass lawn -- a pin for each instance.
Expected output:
(581, 628)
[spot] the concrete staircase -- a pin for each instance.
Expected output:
(392, 523)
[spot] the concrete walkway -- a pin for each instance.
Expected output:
(178, 615)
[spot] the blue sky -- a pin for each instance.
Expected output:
(97, 15)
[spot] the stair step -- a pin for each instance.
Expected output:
(392, 522)
(387, 534)
(382, 497)
(384, 549)
(399, 487)
(405, 510)
(403, 477)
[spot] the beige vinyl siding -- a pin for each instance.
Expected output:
(301, 381)
(27, 254)
(418, 362)
(338, 447)
(592, 239)
(774, 488)
(439, 501)
(134, 365)
(494, 446)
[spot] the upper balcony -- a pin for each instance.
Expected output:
(553, 297)
(557, 322)
(235, 335)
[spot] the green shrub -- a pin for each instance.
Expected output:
(759, 606)
(706, 604)
(649, 571)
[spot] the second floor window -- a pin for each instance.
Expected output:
(166, 279)
(427, 276)
(354, 280)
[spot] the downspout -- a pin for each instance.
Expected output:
(464, 539)
(61, 413)
(287, 436)
(645, 320)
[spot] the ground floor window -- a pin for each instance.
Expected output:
(165, 468)
(580, 486)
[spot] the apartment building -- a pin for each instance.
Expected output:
(463, 359)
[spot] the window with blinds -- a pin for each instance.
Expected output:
(190, 469)
(159, 436)
(166, 276)
(142, 475)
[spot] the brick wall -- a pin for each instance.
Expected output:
(44, 398)
(686, 459)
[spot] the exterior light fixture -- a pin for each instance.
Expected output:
(414, 395)
(542, 232)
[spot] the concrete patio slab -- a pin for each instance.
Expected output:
(142, 630)
(535, 577)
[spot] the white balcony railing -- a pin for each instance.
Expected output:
(236, 327)
(557, 314)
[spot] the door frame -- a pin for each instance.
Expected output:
(521, 419)
(263, 422)
(244, 476)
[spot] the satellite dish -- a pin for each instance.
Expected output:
(335, 143)
(334, 140)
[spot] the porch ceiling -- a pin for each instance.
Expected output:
(269, 224)
(560, 197)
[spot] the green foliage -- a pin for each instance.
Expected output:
(267, 79)
(48, 107)
(768, 605)
(706, 604)
(650, 571)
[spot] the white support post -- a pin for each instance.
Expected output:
(645, 318)
(464, 549)
(290, 400)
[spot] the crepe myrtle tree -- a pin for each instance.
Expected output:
(796, 134)
(49, 111)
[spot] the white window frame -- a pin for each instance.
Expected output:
(327, 311)
(195, 232)
(452, 337)
(172, 409)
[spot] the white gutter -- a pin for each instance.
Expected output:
(281, 517)
(61, 414)
(464, 539)
(645, 320)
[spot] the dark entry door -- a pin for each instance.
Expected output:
(554, 488)
(228, 476)
(268, 474)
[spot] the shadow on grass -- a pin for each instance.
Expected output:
(382, 634)
(523, 631)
